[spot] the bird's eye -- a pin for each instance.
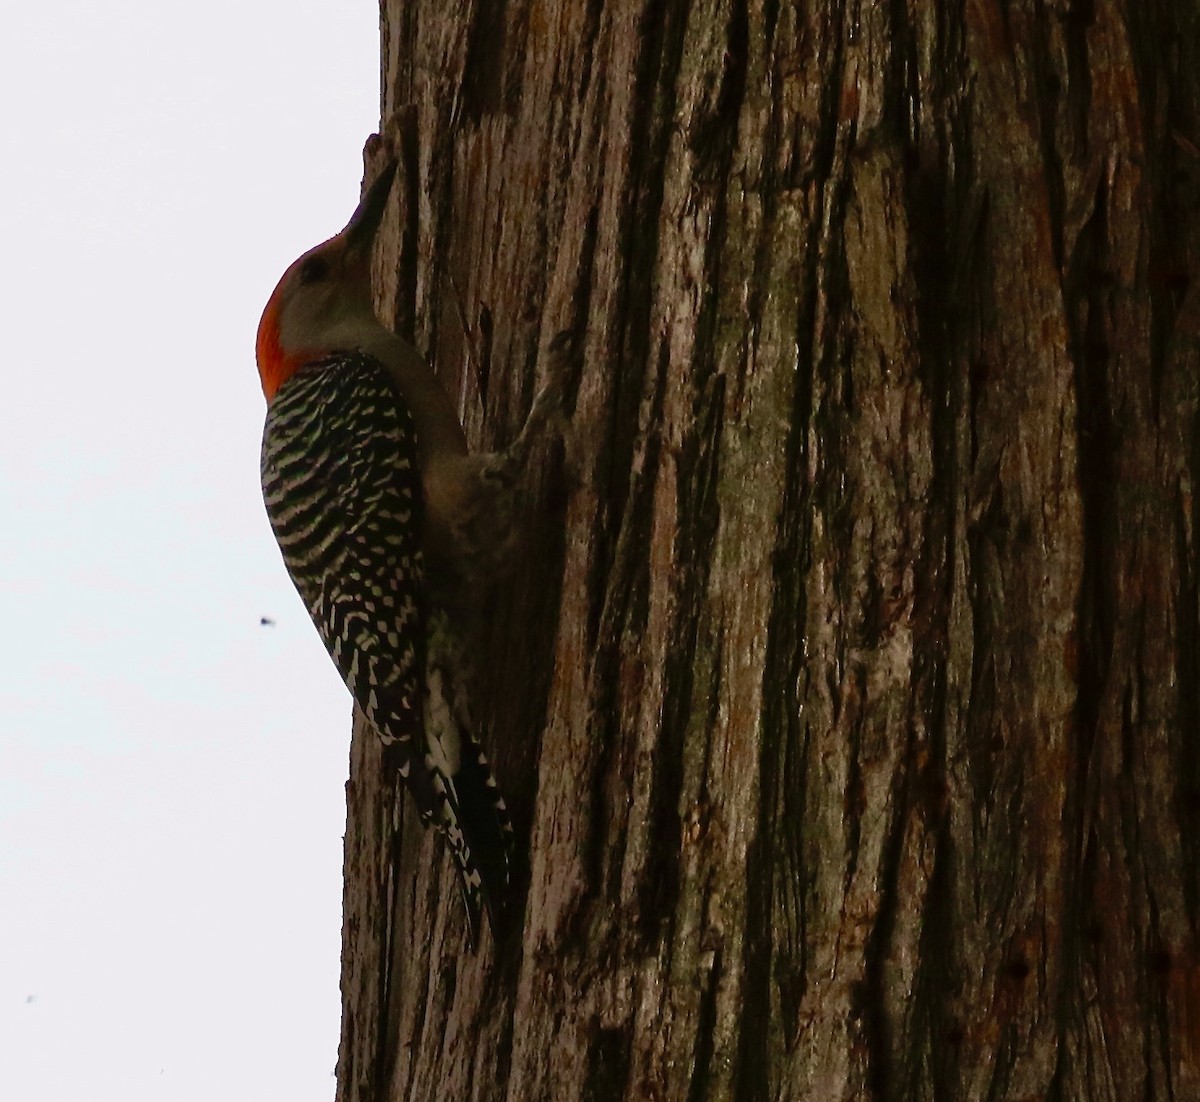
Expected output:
(313, 270)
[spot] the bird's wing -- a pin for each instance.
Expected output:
(342, 492)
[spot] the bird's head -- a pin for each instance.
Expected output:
(323, 302)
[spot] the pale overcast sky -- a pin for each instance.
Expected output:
(171, 771)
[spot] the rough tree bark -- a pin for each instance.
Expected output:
(846, 696)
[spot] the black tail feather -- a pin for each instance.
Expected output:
(483, 859)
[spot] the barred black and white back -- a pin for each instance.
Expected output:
(343, 496)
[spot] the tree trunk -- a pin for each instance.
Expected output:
(847, 695)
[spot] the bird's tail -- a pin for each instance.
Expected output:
(469, 809)
(480, 835)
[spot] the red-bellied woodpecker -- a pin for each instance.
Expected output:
(388, 527)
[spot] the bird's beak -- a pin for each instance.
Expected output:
(360, 230)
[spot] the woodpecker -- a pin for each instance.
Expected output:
(390, 529)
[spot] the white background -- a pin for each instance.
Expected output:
(171, 770)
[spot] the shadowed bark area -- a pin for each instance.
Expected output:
(846, 693)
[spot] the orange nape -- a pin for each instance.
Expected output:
(274, 368)
(275, 365)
